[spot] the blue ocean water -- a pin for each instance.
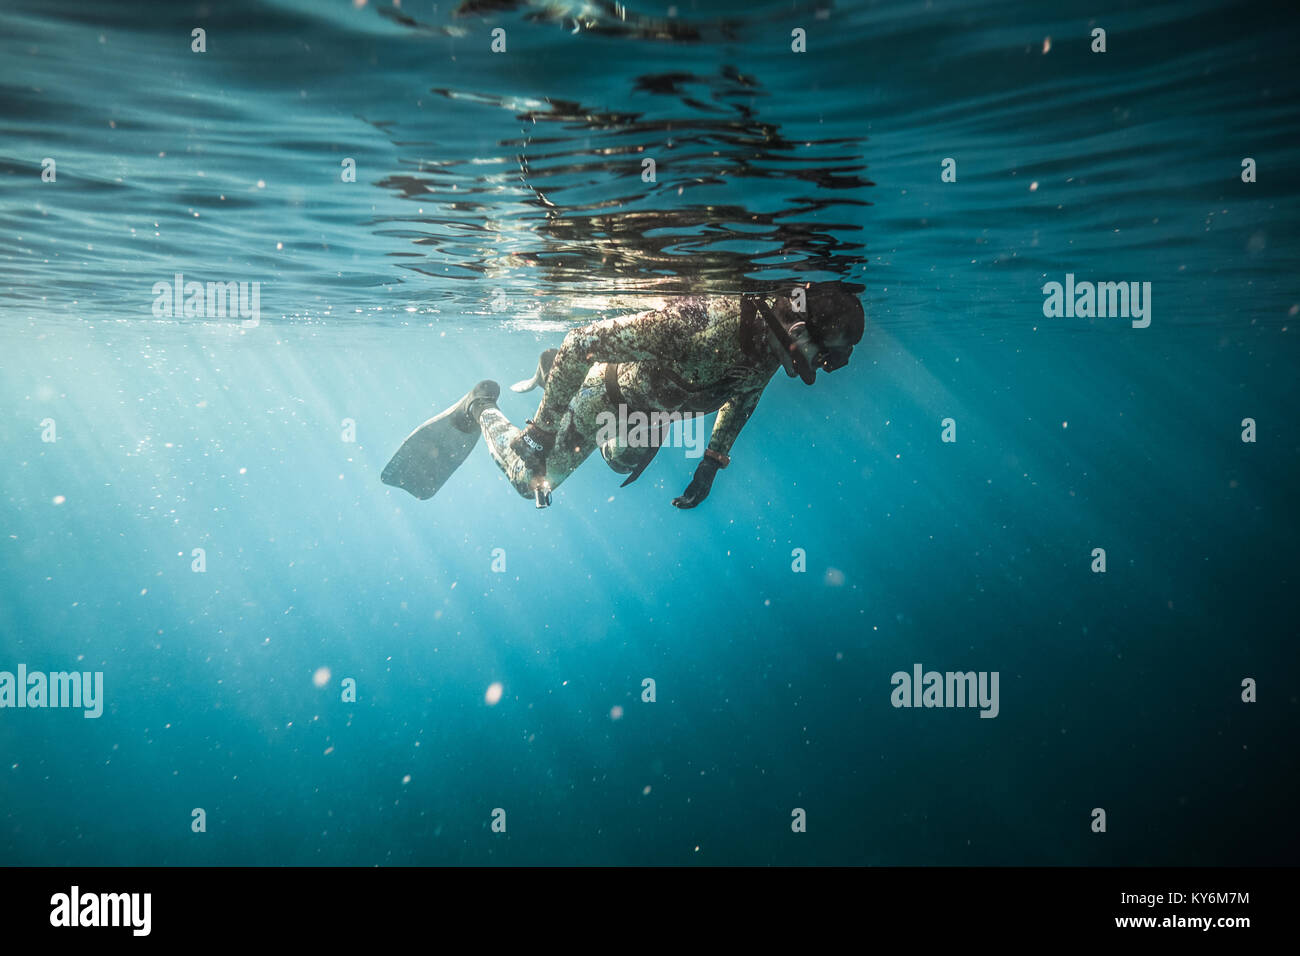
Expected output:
(499, 201)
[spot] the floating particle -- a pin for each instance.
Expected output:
(1033, 187)
(493, 695)
(1047, 44)
(59, 499)
(321, 677)
(834, 578)
(406, 779)
(616, 712)
(645, 791)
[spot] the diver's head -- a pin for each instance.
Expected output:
(822, 334)
(836, 320)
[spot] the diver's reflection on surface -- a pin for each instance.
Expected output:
(680, 196)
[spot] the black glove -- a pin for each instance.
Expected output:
(699, 487)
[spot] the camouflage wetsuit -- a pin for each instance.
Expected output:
(700, 354)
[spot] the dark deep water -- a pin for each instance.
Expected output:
(498, 202)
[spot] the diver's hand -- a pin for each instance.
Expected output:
(700, 485)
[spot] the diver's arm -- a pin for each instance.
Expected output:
(732, 417)
(630, 338)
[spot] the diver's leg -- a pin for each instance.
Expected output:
(499, 434)
(575, 438)
(650, 407)
(579, 427)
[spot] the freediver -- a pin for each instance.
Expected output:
(698, 355)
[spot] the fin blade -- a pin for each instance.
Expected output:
(544, 363)
(429, 456)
